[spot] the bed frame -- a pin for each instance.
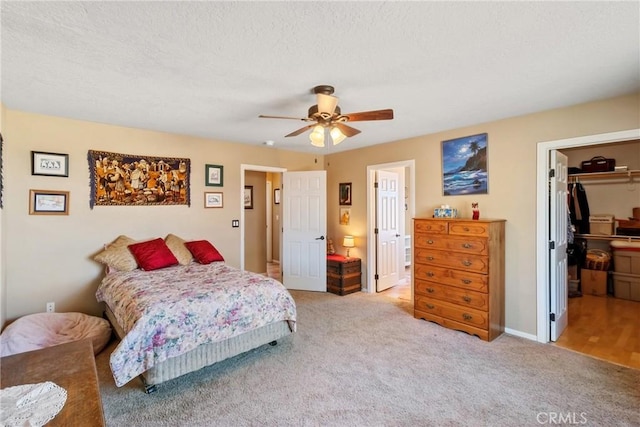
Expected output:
(205, 354)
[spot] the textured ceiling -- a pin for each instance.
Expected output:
(208, 69)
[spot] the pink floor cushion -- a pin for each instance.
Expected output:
(36, 331)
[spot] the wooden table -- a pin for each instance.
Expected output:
(72, 366)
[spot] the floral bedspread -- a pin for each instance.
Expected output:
(171, 311)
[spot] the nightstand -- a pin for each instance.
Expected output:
(343, 274)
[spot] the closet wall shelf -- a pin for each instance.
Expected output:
(614, 237)
(604, 175)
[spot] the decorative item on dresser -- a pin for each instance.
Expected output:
(459, 274)
(343, 274)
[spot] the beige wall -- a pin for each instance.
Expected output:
(512, 183)
(255, 231)
(276, 224)
(50, 257)
(3, 287)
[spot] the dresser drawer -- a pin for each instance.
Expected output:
(472, 245)
(461, 279)
(477, 300)
(466, 315)
(432, 227)
(469, 228)
(469, 262)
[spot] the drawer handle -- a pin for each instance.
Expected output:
(430, 242)
(430, 290)
(466, 298)
(431, 306)
(466, 281)
(430, 274)
(467, 263)
(467, 245)
(465, 228)
(430, 258)
(467, 317)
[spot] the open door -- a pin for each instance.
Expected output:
(558, 227)
(388, 230)
(304, 229)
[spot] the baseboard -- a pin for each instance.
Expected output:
(520, 334)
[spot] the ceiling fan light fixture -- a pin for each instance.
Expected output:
(337, 136)
(317, 136)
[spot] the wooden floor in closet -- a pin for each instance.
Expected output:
(607, 328)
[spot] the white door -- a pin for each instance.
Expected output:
(558, 227)
(388, 226)
(304, 229)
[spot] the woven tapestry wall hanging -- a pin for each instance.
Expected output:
(132, 180)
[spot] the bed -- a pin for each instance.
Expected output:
(181, 318)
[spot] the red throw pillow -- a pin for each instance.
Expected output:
(153, 254)
(203, 251)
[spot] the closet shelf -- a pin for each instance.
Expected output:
(604, 175)
(613, 237)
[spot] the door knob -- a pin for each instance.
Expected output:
(397, 235)
(320, 238)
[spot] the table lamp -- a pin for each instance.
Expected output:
(348, 242)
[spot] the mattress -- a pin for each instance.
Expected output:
(206, 354)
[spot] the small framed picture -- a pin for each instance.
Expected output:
(345, 193)
(276, 196)
(248, 196)
(213, 175)
(345, 215)
(46, 202)
(49, 164)
(212, 200)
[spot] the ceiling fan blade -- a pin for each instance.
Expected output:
(347, 131)
(327, 103)
(370, 115)
(262, 116)
(299, 131)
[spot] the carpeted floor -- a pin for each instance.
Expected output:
(363, 360)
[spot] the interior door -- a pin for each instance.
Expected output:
(388, 226)
(304, 229)
(558, 223)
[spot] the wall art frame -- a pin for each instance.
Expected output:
(214, 175)
(213, 199)
(344, 193)
(49, 164)
(248, 196)
(48, 202)
(464, 165)
(117, 179)
(345, 216)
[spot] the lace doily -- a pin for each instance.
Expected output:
(31, 404)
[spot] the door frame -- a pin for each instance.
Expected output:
(243, 169)
(371, 214)
(542, 219)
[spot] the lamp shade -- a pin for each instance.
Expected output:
(348, 242)
(337, 136)
(317, 136)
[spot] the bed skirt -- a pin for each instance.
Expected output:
(206, 354)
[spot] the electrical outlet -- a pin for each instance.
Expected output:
(51, 307)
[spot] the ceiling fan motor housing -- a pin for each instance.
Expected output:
(322, 118)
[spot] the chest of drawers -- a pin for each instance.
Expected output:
(458, 274)
(343, 274)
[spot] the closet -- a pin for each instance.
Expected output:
(608, 195)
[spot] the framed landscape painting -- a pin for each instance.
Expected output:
(464, 165)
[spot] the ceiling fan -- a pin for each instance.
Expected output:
(330, 123)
